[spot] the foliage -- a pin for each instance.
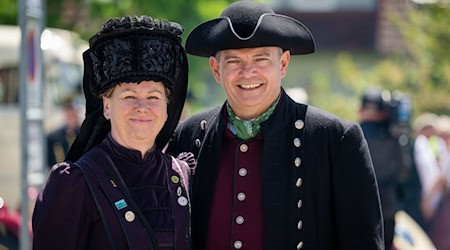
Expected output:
(422, 71)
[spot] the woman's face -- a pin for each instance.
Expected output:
(137, 112)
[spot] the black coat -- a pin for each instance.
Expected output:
(337, 202)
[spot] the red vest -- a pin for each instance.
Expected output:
(236, 216)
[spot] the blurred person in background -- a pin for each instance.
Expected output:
(431, 159)
(60, 140)
(387, 155)
(117, 189)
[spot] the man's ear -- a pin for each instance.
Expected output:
(285, 59)
(214, 65)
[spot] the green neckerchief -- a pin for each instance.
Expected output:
(247, 129)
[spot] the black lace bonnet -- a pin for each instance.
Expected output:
(131, 49)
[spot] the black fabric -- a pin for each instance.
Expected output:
(273, 30)
(135, 58)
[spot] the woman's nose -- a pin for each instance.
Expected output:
(142, 105)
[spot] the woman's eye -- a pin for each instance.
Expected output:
(129, 97)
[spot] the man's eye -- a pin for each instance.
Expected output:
(129, 97)
(232, 62)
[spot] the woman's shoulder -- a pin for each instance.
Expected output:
(65, 174)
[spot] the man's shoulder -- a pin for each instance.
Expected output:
(197, 119)
(320, 118)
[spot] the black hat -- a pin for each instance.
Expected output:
(248, 24)
(130, 50)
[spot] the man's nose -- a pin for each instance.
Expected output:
(247, 68)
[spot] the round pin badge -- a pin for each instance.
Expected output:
(175, 179)
(129, 216)
(182, 201)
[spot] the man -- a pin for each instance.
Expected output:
(272, 174)
(60, 140)
(387, 155)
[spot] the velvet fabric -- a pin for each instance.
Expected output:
(66, 216)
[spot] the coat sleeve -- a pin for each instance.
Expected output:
(357, 204)
(63, 211)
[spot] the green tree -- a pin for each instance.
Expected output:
(422, 72)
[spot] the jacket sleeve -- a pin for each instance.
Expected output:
(63, 213)
(357, 204)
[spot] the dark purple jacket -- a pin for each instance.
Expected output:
(84, 206)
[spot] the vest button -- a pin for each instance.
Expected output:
(243, 148)
(241, 196)
(239, 220)
(242, 172)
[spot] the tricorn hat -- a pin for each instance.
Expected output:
(131, 50)
(248, 24)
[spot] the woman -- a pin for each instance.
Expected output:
(117, 190)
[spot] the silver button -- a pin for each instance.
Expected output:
(239, 220)
(299, 124)
(129, 216)
(299, 182)
(238, 244)
(300, 245)
(297, 162)
(243, 148)
(242, 172)
(203, 124)
(297, 142)
(300, 225)
(299, 204)
(198, 143)
(241, 196)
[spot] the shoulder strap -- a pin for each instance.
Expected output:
(89, 178)
(118, 197)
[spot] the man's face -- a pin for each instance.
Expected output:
(251, 77)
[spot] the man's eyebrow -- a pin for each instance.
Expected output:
(264, 53)
(227, 57)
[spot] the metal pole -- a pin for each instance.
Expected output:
(31, 108)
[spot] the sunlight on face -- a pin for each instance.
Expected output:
(137, 112)
(251, 77)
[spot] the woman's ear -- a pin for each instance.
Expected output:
(106, 108)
